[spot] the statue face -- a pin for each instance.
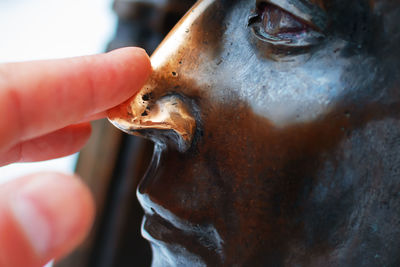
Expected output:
(277, 135)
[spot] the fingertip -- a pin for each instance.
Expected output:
(117, 76)
(136, 63)
(136, 53)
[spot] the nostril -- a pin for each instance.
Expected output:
(147, 97)
(169, 119)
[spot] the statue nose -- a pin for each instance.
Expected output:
(165, 119)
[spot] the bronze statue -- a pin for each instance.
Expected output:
(277, 135)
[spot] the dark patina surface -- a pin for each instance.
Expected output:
(277, 135)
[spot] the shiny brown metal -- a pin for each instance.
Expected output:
(168, 113)
(290, 154)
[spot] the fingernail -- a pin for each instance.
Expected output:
(36, 209)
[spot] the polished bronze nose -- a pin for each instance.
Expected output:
(166, 119)
(156, 112)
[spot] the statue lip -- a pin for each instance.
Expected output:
(162, 225)
(168, 119)
(201, 242)
(160, 232)
(155, 228)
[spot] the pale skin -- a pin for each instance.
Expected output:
(46, 108)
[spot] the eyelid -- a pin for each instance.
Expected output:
(309, 13)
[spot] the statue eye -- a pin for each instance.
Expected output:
(275, 26)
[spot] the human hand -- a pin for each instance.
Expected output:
(45, 108)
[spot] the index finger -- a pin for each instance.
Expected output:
(39, 97)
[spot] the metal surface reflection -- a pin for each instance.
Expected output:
(292, 151)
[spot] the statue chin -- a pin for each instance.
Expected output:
(276, 128)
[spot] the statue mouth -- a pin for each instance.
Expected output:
(172, 243)
(163, 228)
(156, 229)
(176, 240)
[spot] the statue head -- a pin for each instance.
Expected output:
(277, 135)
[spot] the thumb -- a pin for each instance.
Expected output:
(42, 216)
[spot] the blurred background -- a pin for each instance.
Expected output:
(46, 29)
